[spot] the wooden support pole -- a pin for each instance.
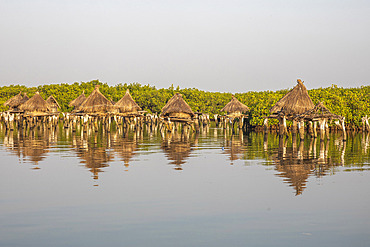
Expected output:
(266, 125)
(344, 130)
(322, 123)
(294, 126)
(314, 128)
(301, 129)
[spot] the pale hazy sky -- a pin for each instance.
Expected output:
(228, 46)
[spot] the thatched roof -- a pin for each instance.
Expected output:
(127, 104)
(235, 106)
(177, 105)
(319, 111)
(35, 104)
(296, 101)
(15, 101)
(78, 101)
(52, 101)
(96, 102)
(25, 98)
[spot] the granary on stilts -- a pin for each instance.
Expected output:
(127, 105)
(295, 102)
(35, 106)
(96, 103)
(76, 103)
(177, 110)
(235, 110)
(16, 101)
(322, 115)
(53, 104)
(96, 108)
(127, 109)
(36, 111)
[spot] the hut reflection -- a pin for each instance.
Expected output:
(177, 148)
(91, 149)
(233, 147)
(296, 165)
(126, 148)
(31, 146)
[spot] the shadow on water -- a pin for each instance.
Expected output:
(294, 160)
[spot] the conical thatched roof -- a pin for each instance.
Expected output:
(15, 101)
(296, 101)
(127, 104)
(177, 105)
(319, 111)
(52, 101)
(96, 102)
(78, 101)
(35, 104)
(235, 106)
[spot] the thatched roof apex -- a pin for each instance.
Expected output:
(127, 104)
(96, 102)
(235, 106)
(15, 101)
(52, 101)
(78, 101)
(296, 101)
(35, 103)
(177, 105)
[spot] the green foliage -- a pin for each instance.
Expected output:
(352, 103)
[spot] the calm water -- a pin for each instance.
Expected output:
(60, 188)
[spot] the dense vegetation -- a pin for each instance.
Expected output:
(352, 103)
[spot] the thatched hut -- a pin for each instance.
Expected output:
(76, 103)
(36, 105)
(127, 104)
(96, 103)
(235, 108)
(296, 101)
(14, 102)
(53, 104)
(177, 108)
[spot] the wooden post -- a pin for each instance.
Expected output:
(322, 123)
(294, 127)
(282, 126)
(301, 129)
(310, 128)
(314, 128)
(327, 131)
(344, 130)
(265, 125)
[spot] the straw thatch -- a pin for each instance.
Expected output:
(53, 104)
(296, 101)
(96, 103)
(177, 107)
(25, 98)
(127, 104)
(76, 103)
(235, 107)
(14, 102)
(35, 104)
(319, 112)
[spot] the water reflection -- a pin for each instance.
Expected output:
(30, 146)
(294, 160)
(177, 147)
